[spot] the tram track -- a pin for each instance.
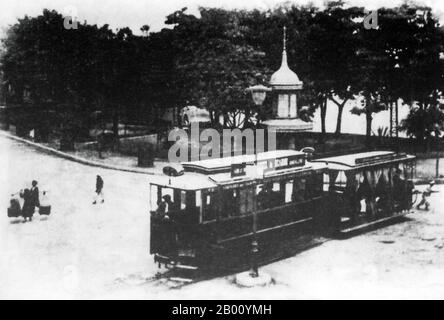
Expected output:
(174, 278)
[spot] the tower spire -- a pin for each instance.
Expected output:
(284, 62)
(285, 77)
(285, 38)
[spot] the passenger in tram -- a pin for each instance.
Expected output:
(266, 197)
(298, 195)
(364, 195)
(398, 184)
(165, 206)
(382, 201)
(298, 191)
(399, 189)
(351, 191)
(262, 198)
(275, 197)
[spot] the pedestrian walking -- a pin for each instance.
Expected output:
(99, 190)
(14, 209)
(28, 207)
(35, 196)
(45, 206)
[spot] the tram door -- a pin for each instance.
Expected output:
(162, 238)
(174, 217)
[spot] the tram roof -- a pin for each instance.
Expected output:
(187, 181)
(363, 159)
(209, 178)
(224, 164)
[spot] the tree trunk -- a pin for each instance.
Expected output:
(212, 116)
(116, 128)
(246, 119)
(116, 123)
(339, 118)
(323, 107)
(368, 130)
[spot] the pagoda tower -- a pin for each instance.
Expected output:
(285, 85)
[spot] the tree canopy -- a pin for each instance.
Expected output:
(210, 60)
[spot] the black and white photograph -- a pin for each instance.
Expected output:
(221, 150)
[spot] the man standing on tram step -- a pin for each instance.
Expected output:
(426, 194)
(99, 190)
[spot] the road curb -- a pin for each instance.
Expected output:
(427, 181)
(418, 181)
(72, 157)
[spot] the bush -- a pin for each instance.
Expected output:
(145, 156)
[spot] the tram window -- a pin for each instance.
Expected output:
(288, 191)
(299, 187)
(190, 200)
(198, 198)
(276, 186)
(168, 191)
(399, 170)
(407, 170)
(314, 186)
(228, 203)
(208, 212)
(262, 196)
(398, 181)
(154, 201)
(341, 180)
(326, 182)
(245, 201)
(183, 203)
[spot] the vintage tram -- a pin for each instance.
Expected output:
(209, 214)
(218, 205)
(369, 188)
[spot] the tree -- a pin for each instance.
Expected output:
(333, 67)
(378, 52)
(371, 104)
(327, 69)
(424, 123)
(45, 64)
(214, 64)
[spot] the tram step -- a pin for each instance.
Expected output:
(179, 279)
(366, 226)
(186, 267)
(187, 253)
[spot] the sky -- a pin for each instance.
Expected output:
(136, 13)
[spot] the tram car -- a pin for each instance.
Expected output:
(209, 213)
(369, 188)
